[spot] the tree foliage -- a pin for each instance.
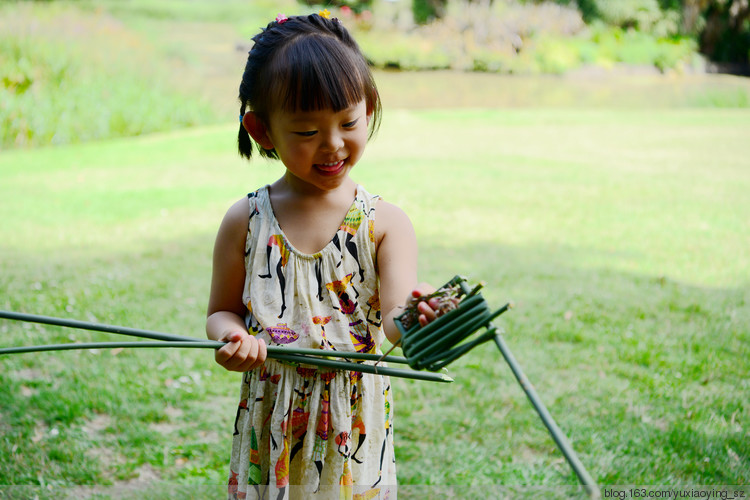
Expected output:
(722, 27)
(426, 10)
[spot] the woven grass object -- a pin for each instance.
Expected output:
(462, 312)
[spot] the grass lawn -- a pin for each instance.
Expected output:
(622, 236)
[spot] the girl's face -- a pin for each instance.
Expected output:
(319, 148)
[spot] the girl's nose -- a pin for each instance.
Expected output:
(333, 142)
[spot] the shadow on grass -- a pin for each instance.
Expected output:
(647, 376)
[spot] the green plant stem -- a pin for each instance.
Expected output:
(213, 344)
(440, 360)
(557, 435)
(430, 336)
(287, 354)
(378, 370)
(98, 327)
(296, 355)
(421, 335)
(108, 345)
(169, 337)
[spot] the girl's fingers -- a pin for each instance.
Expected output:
(243, 355)
(242, 352)
(234, 337)
(231, 355)
(262, 354)
(248, 354)
(426, 313)
(426, 309)
(226, 352)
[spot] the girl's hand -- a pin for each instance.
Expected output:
(428, 309)
(243, 352)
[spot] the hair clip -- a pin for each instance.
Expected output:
(281, 19)
(325, 14)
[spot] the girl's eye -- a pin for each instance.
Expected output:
(351, 124)
(308, 133)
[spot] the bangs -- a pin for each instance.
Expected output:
(318, 72)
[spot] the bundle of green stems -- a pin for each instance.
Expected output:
(298, 356)
(463, 311)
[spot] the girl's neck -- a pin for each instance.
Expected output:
(289, 188)
(310, 220)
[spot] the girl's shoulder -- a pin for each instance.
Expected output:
(239, 213)
(391, 220)
(234, 226)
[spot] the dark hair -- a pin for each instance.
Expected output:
(304, 63)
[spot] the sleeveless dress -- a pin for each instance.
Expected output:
(306, 431)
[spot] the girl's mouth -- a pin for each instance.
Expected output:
(330, 168)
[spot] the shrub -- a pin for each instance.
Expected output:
(398, 50)
(59, 89)
(425, 11)
(660, 18)
(637, 48)
(532, 38)
(641, 15)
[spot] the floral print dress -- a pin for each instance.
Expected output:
(306, 431)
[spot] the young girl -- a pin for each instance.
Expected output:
(315, 261)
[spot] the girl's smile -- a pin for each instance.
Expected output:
(330, 168)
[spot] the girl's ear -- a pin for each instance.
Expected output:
(257, 130)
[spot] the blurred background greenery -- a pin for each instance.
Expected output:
(78, 70)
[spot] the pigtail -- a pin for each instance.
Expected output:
(244, 143)
(258, 57)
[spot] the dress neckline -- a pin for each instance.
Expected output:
(277, 227)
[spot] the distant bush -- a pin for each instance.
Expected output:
(720, 27)
(425, 11)
(405, 51)
(528, 39)
(639, 48)
(645, 16)
(57, 89)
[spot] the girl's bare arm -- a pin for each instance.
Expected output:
(397, 267)
(226, 311)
